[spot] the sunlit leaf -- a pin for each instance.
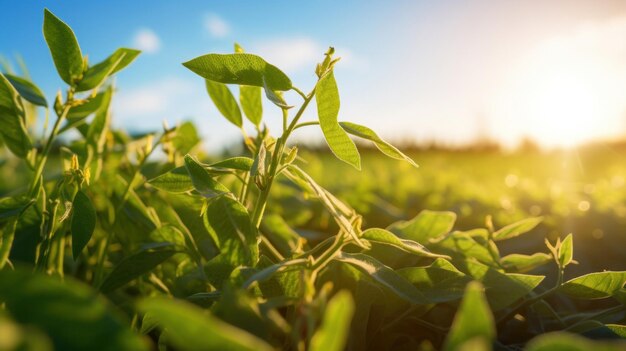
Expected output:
(425, 226)
(239, 68)
(70, 313)
(595, 285)
(473, 319)
(64, 48)
(13, 131)
(202, 181)
(439, 282)
(224, 101)
(524, 263)
(517, 228)
(383, 146)
(333, 333)
(384, 276)
(250, 100)
(327, 97)
(176, 180)
(386, 237)
(566, 251)
(191, 328)
(98, 73)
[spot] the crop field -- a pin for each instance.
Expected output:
(112, 240)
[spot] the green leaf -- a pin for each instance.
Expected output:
(562, 341)
(7, 235)
(64, 48)
(327, 98)
(202, 181)
(333, 333)
(175, 181)
(224, 101)
(383, 146)
(83, 222)
(566, 251)
(250, 100)
(427, 225)
(517, 228)
(72, 315)
(383, 236)
(13, 206)
(503, 289)
(186, 138)
(97, 74)
(13, 131)
(463, 245)
(439, 282)
(524, 263)
(275, 97)
(595, 285)
(92, 105)
(473, 319)
(239, 163)
(384, 276)
(189, 328)
(136, 265)
(230, 226)
(28, 90)
(268, 272)
(239, 68)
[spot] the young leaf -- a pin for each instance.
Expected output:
(595, 285)
(384, 276)
(275, 97)
(473, 319)
(92, 105)
(250, 100)
(136, 265)
(13, 131)
(333, 333)
(224, 101)
(518, 228)
(439, 282)
(202, 180)
(383, 146)
(230, 226)
(71, 314)
(83, 222)
(524, 263)
(239, 68)
(239, 163)
(186, 138)
(386, 237)
(95, 75)
(28, 90)
(175, 181)
(327, 98)
(425, 226)
(190, 328)
(7, 234)
(566, 251)
(64, 48)
(503, 289)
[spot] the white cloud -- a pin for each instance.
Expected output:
(290, 54)
(147, 41)
(151, 99)
(295, 54)
(216, 26)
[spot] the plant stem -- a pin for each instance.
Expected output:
(259, 207)
(46, 149)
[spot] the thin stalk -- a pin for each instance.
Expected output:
(328, 255)
(46, 149)
(306, 124)
(259, 208)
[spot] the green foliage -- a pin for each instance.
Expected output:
(83, 222)
(178, 251)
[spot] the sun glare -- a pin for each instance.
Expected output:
(569, 89)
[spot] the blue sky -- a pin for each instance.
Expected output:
(425, 70)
